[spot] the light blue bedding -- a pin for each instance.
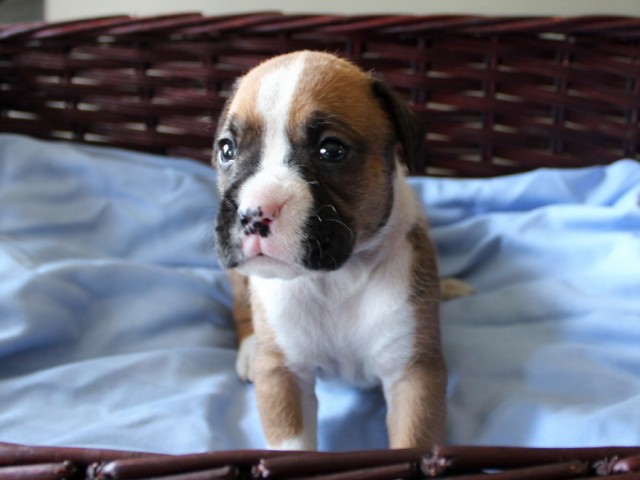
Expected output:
(115, 328)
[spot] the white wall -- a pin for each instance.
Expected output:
(72, 9)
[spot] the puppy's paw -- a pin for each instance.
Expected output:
(303, 442)
(244, 361)
(452, 288)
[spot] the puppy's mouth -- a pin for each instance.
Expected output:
(263, 244)
(265, 251)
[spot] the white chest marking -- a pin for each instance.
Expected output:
(356, 323)
(361, 336)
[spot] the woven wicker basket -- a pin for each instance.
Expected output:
(498, 95)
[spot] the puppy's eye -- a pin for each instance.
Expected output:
(226, 151)
(332, 150)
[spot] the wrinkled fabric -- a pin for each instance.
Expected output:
(115, 325)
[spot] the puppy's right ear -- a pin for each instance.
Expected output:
(409, 129)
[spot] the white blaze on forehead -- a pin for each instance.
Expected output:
(275, 98)
(277, 188)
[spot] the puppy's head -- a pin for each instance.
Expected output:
(305, 151)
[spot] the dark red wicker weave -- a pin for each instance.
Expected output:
(19, 462)
(498, 95)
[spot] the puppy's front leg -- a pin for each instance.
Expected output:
(286, 401)
(244, 325)
(416, 405)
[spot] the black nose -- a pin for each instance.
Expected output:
(253, 221)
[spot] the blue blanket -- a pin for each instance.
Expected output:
(115, 329)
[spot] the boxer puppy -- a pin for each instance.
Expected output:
(333, 267)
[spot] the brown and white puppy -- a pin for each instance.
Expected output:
(318, 222)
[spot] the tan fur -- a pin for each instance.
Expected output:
(364, 116)
(327, 93)
(241, 305)
(280, 405)
(243, 107)
(452, 288)
(417, 418)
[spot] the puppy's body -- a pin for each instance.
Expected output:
(317, 213)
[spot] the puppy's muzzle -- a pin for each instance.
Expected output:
(304, 232)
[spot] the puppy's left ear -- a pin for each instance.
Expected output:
(409, 129)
